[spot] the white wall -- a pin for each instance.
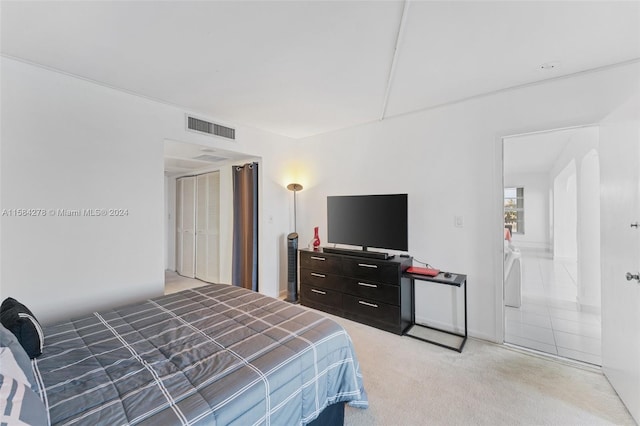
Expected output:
(576, 227)
(565, 213)
(449, 161)
(536, 209)
(70, 144)
(581, 142)
(589, 280)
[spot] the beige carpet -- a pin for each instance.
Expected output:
(410, 382)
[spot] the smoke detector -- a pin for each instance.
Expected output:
(547, 66)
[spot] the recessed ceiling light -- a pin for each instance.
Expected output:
(207, 150)
(550, 65)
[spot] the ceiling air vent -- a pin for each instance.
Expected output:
(202, 126)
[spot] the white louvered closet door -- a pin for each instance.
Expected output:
(207, 227)
(185, 226)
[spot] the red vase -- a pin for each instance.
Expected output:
(316, 238)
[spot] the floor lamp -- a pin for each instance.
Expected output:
(292, 251)
(295, 187)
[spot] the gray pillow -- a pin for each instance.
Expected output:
(9, 340)
(21, 404)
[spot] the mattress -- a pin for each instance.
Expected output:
(211, 355)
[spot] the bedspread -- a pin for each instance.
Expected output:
(211, 355)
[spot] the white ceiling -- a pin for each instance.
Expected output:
(183, 158)
(300, 68)
(539, 152)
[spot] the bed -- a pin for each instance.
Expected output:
(216, 354)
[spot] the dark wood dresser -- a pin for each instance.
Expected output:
(369, 291)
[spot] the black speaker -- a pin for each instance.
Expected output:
(292, 266)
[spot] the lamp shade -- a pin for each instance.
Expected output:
(294, 187)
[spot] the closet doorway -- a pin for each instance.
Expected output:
(198, 187)
(198, 226)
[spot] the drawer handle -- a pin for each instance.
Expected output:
(318, 291)
(366, 265)
(373, 305)
(318, 258)
(368, 285)
(318, 275)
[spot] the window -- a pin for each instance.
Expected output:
(514, 210)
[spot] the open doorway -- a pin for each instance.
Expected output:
(552, 243)
(191, 169)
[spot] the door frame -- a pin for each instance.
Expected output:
(498, 238)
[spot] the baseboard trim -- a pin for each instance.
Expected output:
(456, 329)
(440, 325)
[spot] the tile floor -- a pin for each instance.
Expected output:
(174, 283)
(548, 319)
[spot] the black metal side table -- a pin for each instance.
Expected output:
(415, 331)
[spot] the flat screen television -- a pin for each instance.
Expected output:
(378, 221)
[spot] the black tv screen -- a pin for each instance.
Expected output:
(368, 220)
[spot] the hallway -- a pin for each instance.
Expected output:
(549, 319)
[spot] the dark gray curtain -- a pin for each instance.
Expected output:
(245, 226)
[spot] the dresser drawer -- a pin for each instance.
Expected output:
(387, 272)
(320, 262)
(372, 309)
(320, 295)
(321, 279)
(389, 294)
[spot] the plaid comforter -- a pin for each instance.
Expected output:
(211, 355)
